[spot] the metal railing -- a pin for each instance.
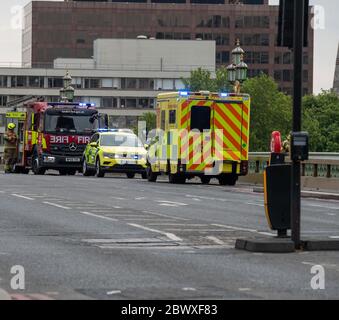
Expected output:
(319, 164)
(325, 165)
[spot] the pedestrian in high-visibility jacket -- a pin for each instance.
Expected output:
(11, 140)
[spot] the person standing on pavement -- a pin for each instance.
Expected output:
(11, 140)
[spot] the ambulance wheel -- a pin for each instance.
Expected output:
(151, 176)
(85, 170)
(205, 179)
(176, 178)
(228, 180)
(98, 171)
(130, 175)
(36, 168)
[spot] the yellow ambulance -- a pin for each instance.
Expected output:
(200, 134)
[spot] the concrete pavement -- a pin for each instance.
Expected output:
(115, 238)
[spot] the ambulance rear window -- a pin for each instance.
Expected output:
(200, 118)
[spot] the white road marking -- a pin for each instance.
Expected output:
(245, 289)
(165, 215)
(118, 198)
(234, 228)
(320, 206)
(178, 224)
(334, 237)
(171, 236)
(20, 196)
(267, 233)
(110, 293)
(216, 240)
(2, 191)
(189, 289)
(97, 216)
(165, 202)
(255, 204)
(140, 198)
(56, 205)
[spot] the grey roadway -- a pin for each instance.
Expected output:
(114, 238)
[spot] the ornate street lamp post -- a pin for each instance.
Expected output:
(67, 92)
(237, 70)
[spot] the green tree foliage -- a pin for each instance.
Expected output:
(321, 120)
(270, 111)
(151, 120)
(200, 79)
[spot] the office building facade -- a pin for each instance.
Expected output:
(68, 30)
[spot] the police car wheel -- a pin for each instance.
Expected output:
(85, 171)
(144, 175)
(130, 175)
(98, 172)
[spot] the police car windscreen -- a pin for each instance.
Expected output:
(69, 123)
(119, 140)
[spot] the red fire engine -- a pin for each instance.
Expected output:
(54, 135)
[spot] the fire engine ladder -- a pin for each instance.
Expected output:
(20, 101)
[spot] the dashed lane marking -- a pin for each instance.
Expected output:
(57, 205)
(165, 215)
(20, 196)
(171, 236)
(215, 240)
(118, 198)
(170, 203)
(255, 204)
(98, 216)
(110, 293)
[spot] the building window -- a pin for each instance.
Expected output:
(55, 83)
(92, 83)
(36, 82)
(3, 101)
(287, 75)
(277, 75)
(107, 83)
(249, 22)
(252, 57)
(146, 84)
(76, 83)
(109, 102)
(128, 83)
(3, 81)
(18, 81)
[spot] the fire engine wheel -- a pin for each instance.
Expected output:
(36, 168)
(85, 170)
(205, 179)
(130, 175)
(151, 176)
(228, 180)
(176, 178)
(98, 171)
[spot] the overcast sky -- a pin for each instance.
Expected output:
(326, 40)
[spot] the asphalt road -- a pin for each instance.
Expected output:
(115, 238)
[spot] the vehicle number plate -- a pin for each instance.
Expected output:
(72, 159)
(128, 162)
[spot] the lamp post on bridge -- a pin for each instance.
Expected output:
(237, 70)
